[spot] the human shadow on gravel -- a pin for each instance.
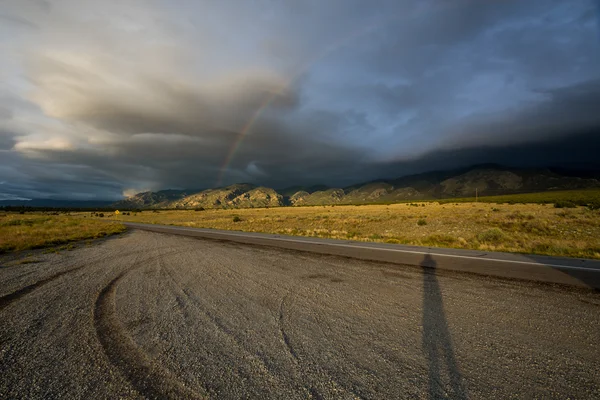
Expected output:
(445, 380)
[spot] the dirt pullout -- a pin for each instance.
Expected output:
(158, 316)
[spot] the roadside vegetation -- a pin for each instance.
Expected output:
(572, 231)
(562, 223)
(37, 230)
(560, 199)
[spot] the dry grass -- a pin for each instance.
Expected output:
(523, 228)
(36, 230)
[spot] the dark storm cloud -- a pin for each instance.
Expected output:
(562, 131)
(106, 97)
(575, 154)
(183, 161)
(38, 178)
(412, 46)
(563, 113)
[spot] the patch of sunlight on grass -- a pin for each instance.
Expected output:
(37, 230)
(523, 228)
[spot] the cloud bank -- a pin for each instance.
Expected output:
(102, 98)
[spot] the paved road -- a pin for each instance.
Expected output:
(566, 271)
(151, 315)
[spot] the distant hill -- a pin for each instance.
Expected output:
(290, 191)
(485, 180)
(241, 195)
(160, 199)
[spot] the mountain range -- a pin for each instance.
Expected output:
(482, 180)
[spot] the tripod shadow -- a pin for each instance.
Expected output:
(445, 380)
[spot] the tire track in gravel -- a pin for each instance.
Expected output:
(55, 340)
(260, 361)
(348, 274)
(284, 335)
(148, 378)
(8, 299)
(280, 316)
(101, 258)
(309, 389)
(314, 392)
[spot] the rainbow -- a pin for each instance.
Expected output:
(240, 137)
(267, 102)
(328, 50)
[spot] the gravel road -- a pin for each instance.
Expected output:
(149, 315)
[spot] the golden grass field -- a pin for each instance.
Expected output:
(523, 228)
(36, 230)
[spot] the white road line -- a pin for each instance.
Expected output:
(363, 247)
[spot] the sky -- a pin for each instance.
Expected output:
(104, 99)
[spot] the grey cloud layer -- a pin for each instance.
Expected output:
(101, 97)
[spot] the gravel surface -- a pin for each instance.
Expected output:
(149, 315)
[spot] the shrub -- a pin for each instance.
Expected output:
(494, 235)
(535, 227)
(236, 218)
(595, 205)
(101, 215)
(495, 209)
(421, 222)
(440, 240)
(564, 204)
(199, 209)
